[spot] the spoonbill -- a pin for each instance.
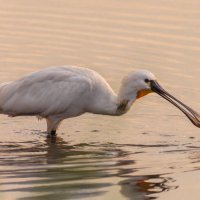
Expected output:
(57, 93)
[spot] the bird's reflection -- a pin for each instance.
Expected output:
(56, 169)
(146, 186)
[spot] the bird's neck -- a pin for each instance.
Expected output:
(111, 104)
(124, 105)
(125, 100)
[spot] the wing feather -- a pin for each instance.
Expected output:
(50, 91)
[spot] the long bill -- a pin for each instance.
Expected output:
(193, 116)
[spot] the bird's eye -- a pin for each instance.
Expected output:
(146, 80)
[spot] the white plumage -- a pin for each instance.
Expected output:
(58, 93)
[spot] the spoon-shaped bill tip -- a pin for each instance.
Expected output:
(193, 116)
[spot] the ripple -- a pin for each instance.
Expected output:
(53, 167)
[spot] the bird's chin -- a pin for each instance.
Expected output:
(143, 92)
(193, 116)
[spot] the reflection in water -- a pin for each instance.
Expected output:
(54, 169)
(133, 187)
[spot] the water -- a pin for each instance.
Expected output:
(152, 152)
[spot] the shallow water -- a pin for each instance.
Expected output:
(152, 152)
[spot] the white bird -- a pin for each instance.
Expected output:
(58, 93)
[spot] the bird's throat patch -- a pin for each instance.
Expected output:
(122, 106)
(142, 93)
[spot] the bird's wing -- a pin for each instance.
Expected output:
(44, 93)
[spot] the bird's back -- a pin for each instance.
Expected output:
(51, 91)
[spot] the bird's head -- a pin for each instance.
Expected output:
(137, 84)
(143, 82)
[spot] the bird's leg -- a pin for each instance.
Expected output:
(52, 126)
(53, 133)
